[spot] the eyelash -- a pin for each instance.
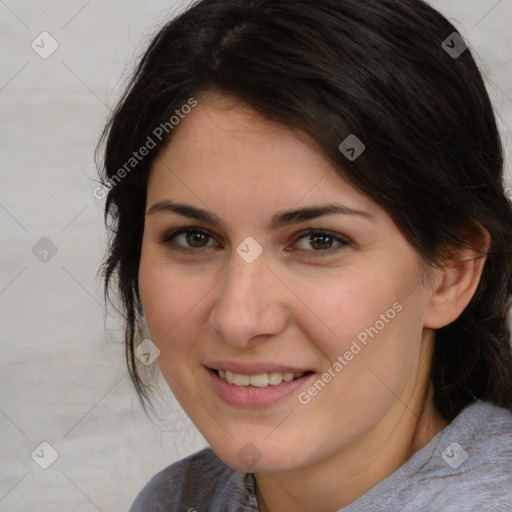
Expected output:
(169, 237)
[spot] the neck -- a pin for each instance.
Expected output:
(346, 477)
(343, 478)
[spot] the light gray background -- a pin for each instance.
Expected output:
(63, 376)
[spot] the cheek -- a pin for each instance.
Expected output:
(371, 320)
(171, 301)
(347, 305)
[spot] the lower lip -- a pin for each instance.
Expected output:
(251, 397)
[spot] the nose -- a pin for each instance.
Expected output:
(249, 304)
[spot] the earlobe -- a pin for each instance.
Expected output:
(458, 281)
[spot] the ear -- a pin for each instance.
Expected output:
(458, 280)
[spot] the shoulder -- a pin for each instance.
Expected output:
(472, 465)
(195, 483)
(466, 467)
(486, 430)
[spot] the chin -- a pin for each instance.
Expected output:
(248, 458)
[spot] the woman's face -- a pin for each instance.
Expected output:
(260, 288)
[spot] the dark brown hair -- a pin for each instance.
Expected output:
(374, 68)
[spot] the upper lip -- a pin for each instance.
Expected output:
(254, 368)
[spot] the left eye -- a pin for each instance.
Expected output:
(321, 242)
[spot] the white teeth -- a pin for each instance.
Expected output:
(259, 381)
(287, 377)
(241, 380)
(275, 378)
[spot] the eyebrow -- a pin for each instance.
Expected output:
(279, 220)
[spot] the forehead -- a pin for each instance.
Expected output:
(225, 150)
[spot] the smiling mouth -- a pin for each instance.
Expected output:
(261, 380)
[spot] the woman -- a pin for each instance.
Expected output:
(308, 213)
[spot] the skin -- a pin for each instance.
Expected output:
(288, 308)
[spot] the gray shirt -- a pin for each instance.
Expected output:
(466, 467)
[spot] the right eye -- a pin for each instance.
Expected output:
(188, 239)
